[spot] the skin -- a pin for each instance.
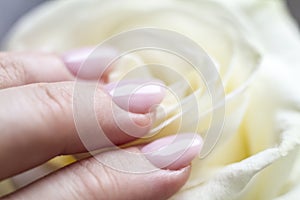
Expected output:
(37, 124)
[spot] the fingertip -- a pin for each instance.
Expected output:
(171, 181)
(89, 63)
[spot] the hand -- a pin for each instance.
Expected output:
(37, 124)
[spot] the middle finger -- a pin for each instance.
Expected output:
(37, 124)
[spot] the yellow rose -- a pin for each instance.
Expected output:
(256, 156)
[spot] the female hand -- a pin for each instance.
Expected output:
(37, 124)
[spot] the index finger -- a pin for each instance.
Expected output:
(20, 68)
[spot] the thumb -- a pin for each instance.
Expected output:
(100, 177)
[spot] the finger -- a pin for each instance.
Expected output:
(21, 68)
(172, 152)
(24, 68)
(37, 123)
(101, 177)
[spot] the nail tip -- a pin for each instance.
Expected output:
(165, 153)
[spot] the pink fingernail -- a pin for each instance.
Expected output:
(173, 152)
(89, 63)
(135, 95)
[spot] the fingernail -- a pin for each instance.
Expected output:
(89, 63)
(136, 96)
(173, 152)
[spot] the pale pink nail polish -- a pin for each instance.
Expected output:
(173, 152)
(137, 96)
(89, 63)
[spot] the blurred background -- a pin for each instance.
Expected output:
(11, 10)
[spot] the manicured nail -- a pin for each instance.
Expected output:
(173, 152)
(89, 63)
(137, 96)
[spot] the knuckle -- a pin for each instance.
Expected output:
(99, 187)
(55, 99)
(12, 71)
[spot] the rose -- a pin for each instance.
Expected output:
(254, 158)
